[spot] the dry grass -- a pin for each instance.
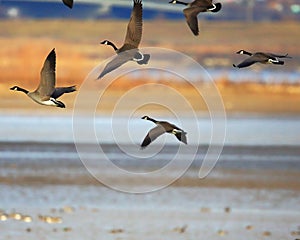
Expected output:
(27, 43)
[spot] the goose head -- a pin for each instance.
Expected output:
(145, 117)
(240, 52)
(15, 88)
(173, 1)
(244, 52)
(105, 42)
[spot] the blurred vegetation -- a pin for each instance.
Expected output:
(26, 44)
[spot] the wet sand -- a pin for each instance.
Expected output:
(255, 198)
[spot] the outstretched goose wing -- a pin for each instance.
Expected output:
(135, 25)
(62, 90)
(279, 56)
(116, 62)
(152, 135)
(246, 63)
(47, 76)
(191, 18)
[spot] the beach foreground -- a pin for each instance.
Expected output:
(256, 199)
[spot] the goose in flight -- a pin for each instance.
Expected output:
(194, 8)
(260, 57)
(68, 3)
(46, 93)
(161, 128)
(129, 51)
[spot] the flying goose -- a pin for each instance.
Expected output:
(129, 51)
(46, 93)
(161, 128)
(260, 57)
(194, 8)
(68, 3)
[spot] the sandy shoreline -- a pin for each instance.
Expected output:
(64, 201)
(153, 223)
(90, 212)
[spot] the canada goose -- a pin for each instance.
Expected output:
(260, 57)
(194, 8)
(129, 51)
(68, 3)
(46, 93)
(161, 128)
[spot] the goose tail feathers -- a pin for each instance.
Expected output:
(278, 63)
(217, 8)
(145, 60)
(60, 104)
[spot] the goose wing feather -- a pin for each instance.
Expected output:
(246, 63)
(152, 135)
(257, 57)
(135, 25)
(47, 76)
(68, 3)
(279, 55)
(181, 136)
(191, 18)
(116, 62)
(61, 90)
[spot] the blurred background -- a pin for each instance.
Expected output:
(31, 28)
(254, 189)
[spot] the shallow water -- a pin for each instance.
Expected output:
(240, 130)
(256, 178)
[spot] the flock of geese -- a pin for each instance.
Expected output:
(47, 94)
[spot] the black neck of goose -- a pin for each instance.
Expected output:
(247, 53)
(113, 45)
(22, 90)
(152, 120)
(182, 3)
